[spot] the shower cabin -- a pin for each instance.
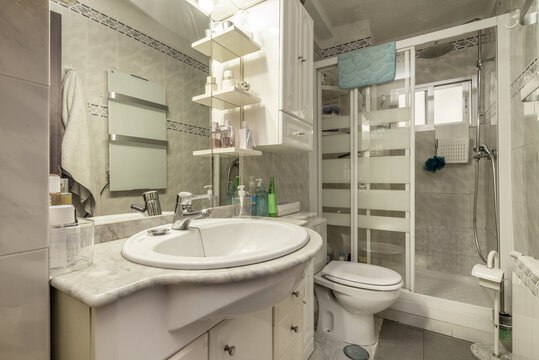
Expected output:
(383, 208)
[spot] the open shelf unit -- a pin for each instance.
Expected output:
(227, 152)
(229, 44)
(227, 98)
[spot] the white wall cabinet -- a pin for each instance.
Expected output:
(282, 76)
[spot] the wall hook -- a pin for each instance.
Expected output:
(515, 16)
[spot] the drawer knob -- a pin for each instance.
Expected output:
(296, 293)
(299, 133)
(294, 328)
(231, 350)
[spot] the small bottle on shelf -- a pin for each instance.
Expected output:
(215, 135)
(227, 135)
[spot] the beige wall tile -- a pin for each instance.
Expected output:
(24, 155)
(24, 40)
(24, 306)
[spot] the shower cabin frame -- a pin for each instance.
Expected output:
(416, 309)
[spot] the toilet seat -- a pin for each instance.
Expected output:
(362, 276)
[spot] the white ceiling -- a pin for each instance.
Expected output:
(394, 19)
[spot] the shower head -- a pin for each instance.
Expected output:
(435, 50)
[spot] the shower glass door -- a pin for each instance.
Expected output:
(367, 173)
(336, 174)
(384, 172)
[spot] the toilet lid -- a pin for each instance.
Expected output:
(358, 274)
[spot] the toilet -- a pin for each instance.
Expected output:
(349, 294)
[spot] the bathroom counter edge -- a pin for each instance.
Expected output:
(112, 277)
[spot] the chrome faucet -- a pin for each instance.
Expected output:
(184, 214)
(151, 204)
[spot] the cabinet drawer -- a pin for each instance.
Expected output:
(295, 352)
(290, 302)
(197, 350)
(245, 338)
(296, 134)
(288, 330)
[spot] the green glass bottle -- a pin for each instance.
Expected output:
(272, 203)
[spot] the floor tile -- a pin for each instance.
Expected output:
(442, 347)
(399, 342)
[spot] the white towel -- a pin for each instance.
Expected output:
(78, 159)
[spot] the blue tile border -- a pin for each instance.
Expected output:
(128, 31)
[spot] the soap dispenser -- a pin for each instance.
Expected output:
(243, 202)
(261, 199)
(252, 192)
(208, 203)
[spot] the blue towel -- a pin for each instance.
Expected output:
(371, 66)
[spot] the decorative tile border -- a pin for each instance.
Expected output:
(188, 128)
(317, 52)
(320, 54)
(524, 270)
(103, 111)
(128, 31)
(523, 78)
(458, 44)
(98, 110)
(468, 42)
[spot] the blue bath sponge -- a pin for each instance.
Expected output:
(434, 163)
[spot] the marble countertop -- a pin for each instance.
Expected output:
(112, 277)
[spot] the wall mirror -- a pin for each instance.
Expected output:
(123, 75)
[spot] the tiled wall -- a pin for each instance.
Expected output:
(94, 42)
(291, 171)
(24, 109)
(444, 210)
(525, 145)
(444, 200)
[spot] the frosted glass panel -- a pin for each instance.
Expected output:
(136, 117)
(447, 105)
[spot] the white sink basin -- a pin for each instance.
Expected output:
(227, 267)
(215, 244)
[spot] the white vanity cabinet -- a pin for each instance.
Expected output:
(197, 350)
(136, 327)
(281, 74)
(288, 325)
(244, 338)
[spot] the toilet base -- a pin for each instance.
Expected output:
(335, 321)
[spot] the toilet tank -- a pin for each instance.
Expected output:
(320, 259)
